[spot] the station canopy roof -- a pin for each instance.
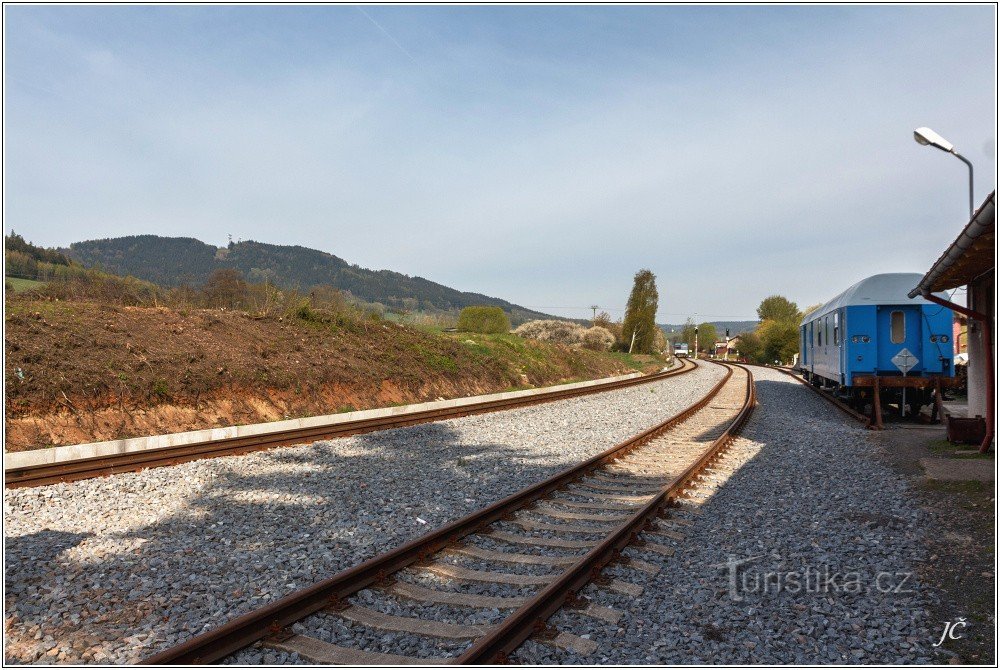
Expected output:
(970, 256)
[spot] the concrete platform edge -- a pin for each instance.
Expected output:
(21, 459)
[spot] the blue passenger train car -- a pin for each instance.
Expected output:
(856, 335)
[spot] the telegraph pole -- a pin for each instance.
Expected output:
(595, 308)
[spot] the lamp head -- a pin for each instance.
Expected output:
(928, 137)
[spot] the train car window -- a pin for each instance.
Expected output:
(819, 333)
(836, 329)
(897, 327)
(826, 329)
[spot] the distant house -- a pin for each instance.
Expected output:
(727, 347)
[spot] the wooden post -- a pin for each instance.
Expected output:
(937, 414)
(876, 407)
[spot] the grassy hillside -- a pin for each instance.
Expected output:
(18, 284)
(173, 261)
(82, 371)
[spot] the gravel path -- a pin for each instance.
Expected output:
(110, 570)
(807, 495)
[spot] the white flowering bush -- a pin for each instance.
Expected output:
(567, 333)
(597, 338)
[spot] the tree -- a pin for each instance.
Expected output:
(640, 314)
(779, 329)
(810, 309)
(660, 343)
(707, 337)
(750, 348)
(483, 319)
(780, 309)
(226, 288)
(780, 341)
(687, 334)
(603, 320)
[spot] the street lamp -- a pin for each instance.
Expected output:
(928, 137)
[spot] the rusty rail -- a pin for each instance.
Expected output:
(218, 643)
(850, 411)
(101, 466)
(496, 646)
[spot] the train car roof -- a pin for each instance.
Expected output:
(884, 289)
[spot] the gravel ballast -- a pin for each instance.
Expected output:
(111, 570)
(830, 536)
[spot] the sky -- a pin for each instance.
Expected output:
(538, 154)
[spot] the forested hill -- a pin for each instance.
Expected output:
(173, 261)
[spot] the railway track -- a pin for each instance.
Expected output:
(509, 566)
(102, 466)
(842, 406)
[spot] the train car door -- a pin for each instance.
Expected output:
(899, 328)
(839, 329)
(812, 349)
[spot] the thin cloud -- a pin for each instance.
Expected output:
(541, 155)
(386, 33)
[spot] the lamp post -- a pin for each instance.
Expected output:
(928, 137)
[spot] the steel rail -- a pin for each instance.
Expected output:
(847, 409)
(850, 411)
(496, 646)
(101, 466)
(243, 631)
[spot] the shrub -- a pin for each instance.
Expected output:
(603, 320)
(552, 330)
(305, 312)
(483, 320)
(597, 339)
(660, 343)
(567, 333)
(100, 287)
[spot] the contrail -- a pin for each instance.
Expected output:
(386, 33)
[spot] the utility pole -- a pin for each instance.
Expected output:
(696, 342)
(595, 308)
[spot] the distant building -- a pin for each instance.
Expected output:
(960, 334)
(971, 261)
(727, 348)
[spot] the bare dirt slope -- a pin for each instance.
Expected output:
(81, 372)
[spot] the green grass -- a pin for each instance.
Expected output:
(967, 487)
(632, 362)
(948, 448)
(20, 285)
(440, 362)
